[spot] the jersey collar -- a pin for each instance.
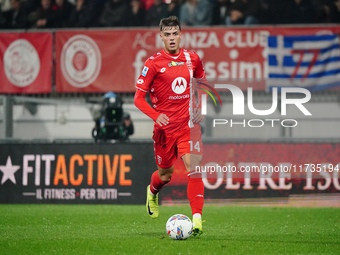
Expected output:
(174, 56)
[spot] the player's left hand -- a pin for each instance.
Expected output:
(197, 116)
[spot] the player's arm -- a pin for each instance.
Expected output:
(197, 113)
(143, 84)
(140, 102)
(199, 75)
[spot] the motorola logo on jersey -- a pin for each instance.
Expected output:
(179, 85)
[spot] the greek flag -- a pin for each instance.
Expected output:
(312, 61)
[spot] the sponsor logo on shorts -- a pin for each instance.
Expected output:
(21, 63)
(179, 85)
(80, 61)
(159, 159)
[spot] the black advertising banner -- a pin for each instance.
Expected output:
(251, 170)
(86, 173)
(105, 173)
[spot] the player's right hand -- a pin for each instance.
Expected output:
(162, 120)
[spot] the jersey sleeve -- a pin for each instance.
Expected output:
(147, 76)
(143, 85)
(199, 70)
(142, 105)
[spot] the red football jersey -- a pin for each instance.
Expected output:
(168, 79)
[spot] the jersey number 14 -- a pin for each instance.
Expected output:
(195, 147)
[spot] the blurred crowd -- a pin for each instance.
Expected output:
(26, 14)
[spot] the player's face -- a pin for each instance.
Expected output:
(171, 37)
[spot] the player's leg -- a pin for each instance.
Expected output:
(158, 179)
(165, 155)
(190, 150)
(195, 190)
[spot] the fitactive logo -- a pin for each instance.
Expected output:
(238, 106)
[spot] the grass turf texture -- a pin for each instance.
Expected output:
(112, 229)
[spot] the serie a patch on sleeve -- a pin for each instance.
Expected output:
(145, 70)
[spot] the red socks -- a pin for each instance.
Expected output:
(195, 192)
(156, 183)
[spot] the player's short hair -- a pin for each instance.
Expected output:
(171, 21)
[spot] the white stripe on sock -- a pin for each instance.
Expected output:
(197, 216)
(152, 193)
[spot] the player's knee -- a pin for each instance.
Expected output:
(166, 177)
(188, 165)
(193, 164)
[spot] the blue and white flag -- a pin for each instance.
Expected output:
(311, 62)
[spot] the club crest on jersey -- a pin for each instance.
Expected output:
(179, 85)
(145, 70)
(174, 63)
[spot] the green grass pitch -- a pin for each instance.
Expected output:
(113, 229)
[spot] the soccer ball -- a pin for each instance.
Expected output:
(179, 227)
